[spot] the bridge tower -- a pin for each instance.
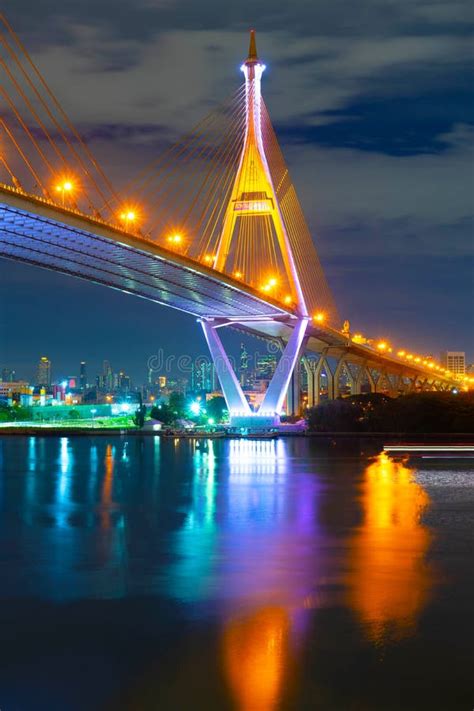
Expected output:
(254, 197)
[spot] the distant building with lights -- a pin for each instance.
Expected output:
(265, 367)
(18, 391)
(8, 375)
(454, 361)
(83, 376)
(44, 372)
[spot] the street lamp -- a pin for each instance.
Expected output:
(175, 240)
(128, 216)
(65, 188)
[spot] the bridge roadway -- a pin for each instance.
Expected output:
(38, 232)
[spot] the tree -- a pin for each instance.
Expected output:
(139, 416)
(216, 407)
(424, 413)
(163, 414)
(177, 404)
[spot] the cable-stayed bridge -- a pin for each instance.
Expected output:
(222, 237)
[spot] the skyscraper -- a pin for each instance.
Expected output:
(44, 371)
(82, 376)
(454, 361)
(8, 375)
(108, 376)
(265, 367)
(244, 365)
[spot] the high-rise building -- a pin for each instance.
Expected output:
(204, 375)
(124, 382)
(107, 376)
(454, 361)
(244, 365)
(8, 375)
(83, 376)
(44, 371)
(265, 367)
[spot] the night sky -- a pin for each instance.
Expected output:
(372, 102)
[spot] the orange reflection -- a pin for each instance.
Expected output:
(389, 579)
(107, 486)
(256, 651)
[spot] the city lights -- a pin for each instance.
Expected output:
(319, 317)
(195, 408)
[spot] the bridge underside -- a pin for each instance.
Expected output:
(125, 263)
(39, 233)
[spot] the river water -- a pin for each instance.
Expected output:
(143, 574)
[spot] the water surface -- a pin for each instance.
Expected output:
(258, 576)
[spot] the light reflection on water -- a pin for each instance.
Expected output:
(248, 533)
(390, 581)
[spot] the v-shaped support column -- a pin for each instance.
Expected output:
(239, 409)
(233, 393)
(273, 400)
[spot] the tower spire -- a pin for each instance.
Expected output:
(253, 57)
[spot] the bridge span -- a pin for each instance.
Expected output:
(38, 232)
(248, 259)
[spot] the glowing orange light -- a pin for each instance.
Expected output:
(128, 216)
(400, 354)
(382, 346)
(175, 239)
(64, 187)
(409, 356)
(417, 359)
(288, 299)
(210, 258)
(238, 275)
(319, 317)
(272, 282)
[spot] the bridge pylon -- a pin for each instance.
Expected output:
(254, 197)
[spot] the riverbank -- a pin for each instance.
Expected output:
(396, 437)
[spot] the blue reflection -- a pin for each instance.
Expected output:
(244, 538)
(65, 461)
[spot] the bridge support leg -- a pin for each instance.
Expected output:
(233, 393)
(268, 413)
(293, 396)
(312, 378)
(273, 400)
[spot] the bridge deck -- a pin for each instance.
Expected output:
(39, 233)
(35, 231)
